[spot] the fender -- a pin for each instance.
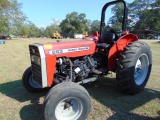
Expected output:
(117, 48)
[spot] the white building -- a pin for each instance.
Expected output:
(78, 36)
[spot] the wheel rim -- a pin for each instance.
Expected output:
(69, 109)
(141, 69)
(32, 82)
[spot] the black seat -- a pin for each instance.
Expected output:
(106, 41)
(103, 46)
(108, 38)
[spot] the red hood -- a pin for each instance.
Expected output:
(67, 44)
(69, 49)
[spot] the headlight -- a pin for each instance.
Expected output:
(39, 61)
(36, 59)
(32, 58)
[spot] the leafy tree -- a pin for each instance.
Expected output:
(33, 30)
(143, 14)
(50, 29)
(148, 20)
(3, 16)
(13, 20)
(115, 22)
(21, 29)
(146, 14)
(89, 22)
(42, 32)
(95, 26)
(73, 23)
(11, 16)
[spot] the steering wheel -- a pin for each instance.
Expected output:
(113, 31)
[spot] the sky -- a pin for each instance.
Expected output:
(42, 12)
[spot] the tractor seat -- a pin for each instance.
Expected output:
(106, 41)
(103, 46)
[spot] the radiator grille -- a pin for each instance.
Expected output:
(36, 69)
(34, 50)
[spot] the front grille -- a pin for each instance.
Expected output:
(37, 73)
(36, 69)
(34, 50)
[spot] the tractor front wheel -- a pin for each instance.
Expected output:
(134, 67)
(28, 81)
(67, 101)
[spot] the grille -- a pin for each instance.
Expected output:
(36, 69)
(36, 72)
(34, 50)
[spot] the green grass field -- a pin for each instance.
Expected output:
(108, 103)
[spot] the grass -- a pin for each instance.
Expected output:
(107, 101)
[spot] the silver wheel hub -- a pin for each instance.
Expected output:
(141, 69)
(138, 68)
(69, 109)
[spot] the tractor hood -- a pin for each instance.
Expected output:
(69, 49)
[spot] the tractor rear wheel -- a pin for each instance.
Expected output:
(134, 67)
(67, 101)
(28, 81)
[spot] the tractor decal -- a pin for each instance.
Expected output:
(61, 51)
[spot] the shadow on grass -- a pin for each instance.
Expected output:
(32, 109)
(107, 93)
(157, 42)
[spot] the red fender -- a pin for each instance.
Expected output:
(117, 48)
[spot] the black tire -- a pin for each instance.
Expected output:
(63, 94)
(28, 82)
(134, 67)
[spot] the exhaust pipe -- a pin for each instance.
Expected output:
(88, 80)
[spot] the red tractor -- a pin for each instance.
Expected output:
(70, 64)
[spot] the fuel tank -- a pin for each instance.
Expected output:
(75, 48)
